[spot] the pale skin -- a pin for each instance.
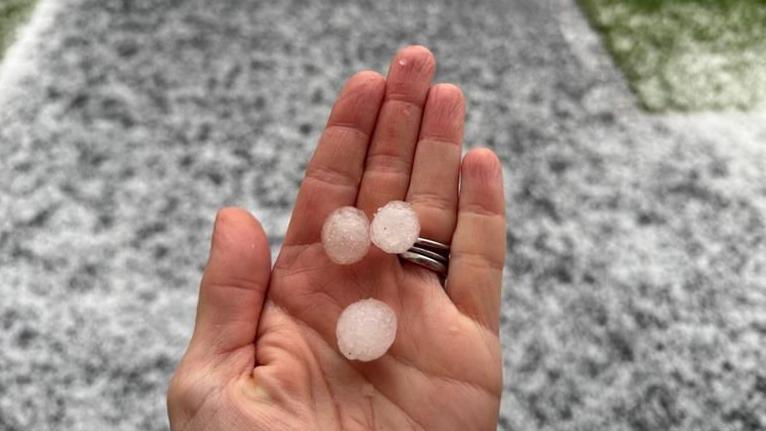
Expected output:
(264, 353)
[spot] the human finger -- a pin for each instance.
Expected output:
(433, 190)
(389, 159)
(333, 175)
(477, 254)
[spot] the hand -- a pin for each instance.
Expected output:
(264, 356)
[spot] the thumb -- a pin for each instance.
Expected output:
(234, 285)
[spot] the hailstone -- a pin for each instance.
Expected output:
(395, 227)
(346, 235)
(366, 329)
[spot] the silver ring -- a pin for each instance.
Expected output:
(425, 262)
(433, 245)
(429, 254)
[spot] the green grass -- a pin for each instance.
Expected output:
(12, 13)
(687, 55)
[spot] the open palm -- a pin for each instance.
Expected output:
(264, 356)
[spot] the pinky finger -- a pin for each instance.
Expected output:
(478, 244)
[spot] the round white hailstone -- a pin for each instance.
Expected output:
(346, 235)
(366, 329)
(395, 227)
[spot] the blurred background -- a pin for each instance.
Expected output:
(633, 139)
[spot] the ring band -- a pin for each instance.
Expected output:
(429, 254)
(433, 245)
(424, 261)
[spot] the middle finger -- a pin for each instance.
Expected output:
(389, 159)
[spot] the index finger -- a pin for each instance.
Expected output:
(333, 175)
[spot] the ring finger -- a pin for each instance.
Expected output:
(433, 190)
